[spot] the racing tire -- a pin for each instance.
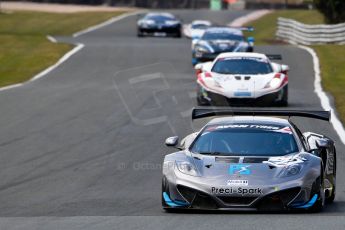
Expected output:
(165, 188)
(178, 34)
(199, 98)
(140, 34)
(331, 198)
(285, 97)
(319, 185)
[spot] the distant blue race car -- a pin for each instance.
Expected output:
(159, 24)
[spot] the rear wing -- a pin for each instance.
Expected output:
(202, 113)
(274, 56)
(244, 28)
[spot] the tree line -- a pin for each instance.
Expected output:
(334, 10)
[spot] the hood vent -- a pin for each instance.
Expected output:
(238, 77)
(254, 159)
(247, 78)
(228, 159)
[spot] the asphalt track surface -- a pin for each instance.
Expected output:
(82, 147)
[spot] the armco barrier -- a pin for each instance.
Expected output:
(298, 33)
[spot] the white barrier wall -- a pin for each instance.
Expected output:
(298, 33)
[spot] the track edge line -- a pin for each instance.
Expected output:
(325, 101)
(106, 23)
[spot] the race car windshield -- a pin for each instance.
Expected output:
(250, 66)
(159, 18)
(199, 26)
(245, 140)
(222, 36)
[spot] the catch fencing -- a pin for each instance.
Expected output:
(298, 33)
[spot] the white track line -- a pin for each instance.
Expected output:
(103, 24)
(51, 38)
(249, 17)
(325, 102)
(59, 62)
(77, 48)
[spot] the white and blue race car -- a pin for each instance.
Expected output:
(242, 78)
(216, 40)
(196, 29)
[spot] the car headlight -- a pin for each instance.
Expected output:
(291, 170)
(275, 82)
(186, 168)
(202, 49)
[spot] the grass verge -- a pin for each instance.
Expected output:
(25, 50)
(331, 57)
(265, 27)
(332, 61)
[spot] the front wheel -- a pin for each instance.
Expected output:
(139, 34)
(331, 198)
(178, 34)
(201, 101)
(319, 189)
(284, 99)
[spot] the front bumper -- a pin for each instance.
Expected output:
(216, 98)
(162, 29)
(204, 57)
(187, 197)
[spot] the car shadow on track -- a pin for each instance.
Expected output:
(338, 207)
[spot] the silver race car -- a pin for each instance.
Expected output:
(244, 160)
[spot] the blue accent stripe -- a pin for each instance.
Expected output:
(310, 203)
(171, 203)
(194, 61)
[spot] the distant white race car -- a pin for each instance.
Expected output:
(196, 29)
(242, 78)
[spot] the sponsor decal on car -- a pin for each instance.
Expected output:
(284, 130)
(242, 94)
(243, 126)
(237, 182)
(258, 59)
(239, 169)
(236, 190)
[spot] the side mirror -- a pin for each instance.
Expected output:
(320, 143)
(202, 67)
(199, 67)
(251, 39)
(172, 141)
(323, 143)
(285, 68)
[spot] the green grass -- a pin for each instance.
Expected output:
(332, 61)
(265, 28)
(25, 50)
(332, 57)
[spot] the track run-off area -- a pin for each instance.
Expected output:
(82, 147)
